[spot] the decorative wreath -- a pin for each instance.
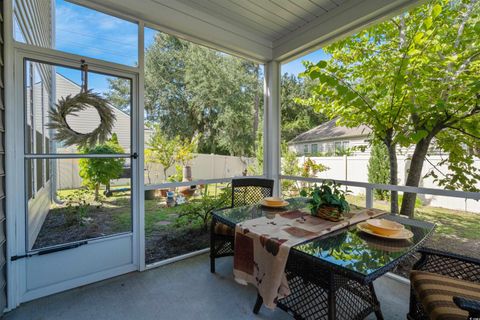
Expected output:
(74, 104)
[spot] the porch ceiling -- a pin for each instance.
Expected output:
(262, 30)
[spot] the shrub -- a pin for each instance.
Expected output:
(96, 171)
(198, 211)
(379, 169)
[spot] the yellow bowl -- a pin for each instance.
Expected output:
(273, 200)
(384, 227)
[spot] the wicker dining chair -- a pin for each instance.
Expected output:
(245, 191)
(444, 286)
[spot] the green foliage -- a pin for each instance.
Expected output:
(379, 169)
(200, 210)
(162, 149)
(412, 79)
(327, 194)
(296, 117)
(77, 206)
(178, 176)
(96, 171)
(119, 94)
(191, 89)
(418, 202)
(185, 150)
(290, 167)
(311, 168)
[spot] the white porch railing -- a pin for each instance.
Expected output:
(369, 187)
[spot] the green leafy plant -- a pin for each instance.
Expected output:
(162, 150)
(96, 171)
(311, 168)
(77, 206)
(199, 211)
(379, 169)
(328, 194)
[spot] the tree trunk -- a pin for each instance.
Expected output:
(97, 191)
(414, 175)
(392, 156)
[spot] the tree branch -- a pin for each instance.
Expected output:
(435, 167)
(357, 93)
(464, 132)
(465, 16)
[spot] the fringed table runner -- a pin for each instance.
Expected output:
(262, 246)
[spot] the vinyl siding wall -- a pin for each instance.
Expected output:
(3, 245)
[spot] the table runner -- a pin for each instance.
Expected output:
(262, 246)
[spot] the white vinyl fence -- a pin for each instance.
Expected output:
(355, 168)
(204, 166)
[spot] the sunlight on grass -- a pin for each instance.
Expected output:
(450, 223)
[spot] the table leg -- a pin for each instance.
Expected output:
(378, 310)
(332, 301)
(258, 304)
(212, 246)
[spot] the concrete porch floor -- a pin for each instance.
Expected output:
(182, 290)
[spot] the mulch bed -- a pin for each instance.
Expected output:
(169, 243)
(61, 227)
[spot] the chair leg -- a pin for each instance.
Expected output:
(212, 247)
(378, 311)
(258, 304)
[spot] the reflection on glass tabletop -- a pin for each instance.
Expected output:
(362, 253)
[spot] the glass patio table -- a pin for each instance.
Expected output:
(331, 277)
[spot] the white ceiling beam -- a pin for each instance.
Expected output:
(344, 20)
(178, 19)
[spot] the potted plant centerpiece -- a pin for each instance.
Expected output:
(327, 201)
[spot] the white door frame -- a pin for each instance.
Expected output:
(15, 158)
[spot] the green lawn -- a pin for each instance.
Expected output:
(452, 223)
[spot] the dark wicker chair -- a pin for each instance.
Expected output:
(245, 191)
(444, 286)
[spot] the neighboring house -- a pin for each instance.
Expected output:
(330, 139)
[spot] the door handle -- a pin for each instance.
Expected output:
(134, 155)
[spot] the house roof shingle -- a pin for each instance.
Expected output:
(328, 131)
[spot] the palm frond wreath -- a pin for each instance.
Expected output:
(71, 105)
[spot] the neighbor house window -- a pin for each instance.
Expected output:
(314, 149)
(338, 147)
(305, 149)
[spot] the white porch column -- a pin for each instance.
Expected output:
(271, 127)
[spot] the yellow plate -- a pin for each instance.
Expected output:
(403, 234)
(384, 226)
(277, 205)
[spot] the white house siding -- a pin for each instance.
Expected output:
(329, 144)
(355, 168)
(35, 20)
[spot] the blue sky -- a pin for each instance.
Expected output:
(93, 34)
(296, 66)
